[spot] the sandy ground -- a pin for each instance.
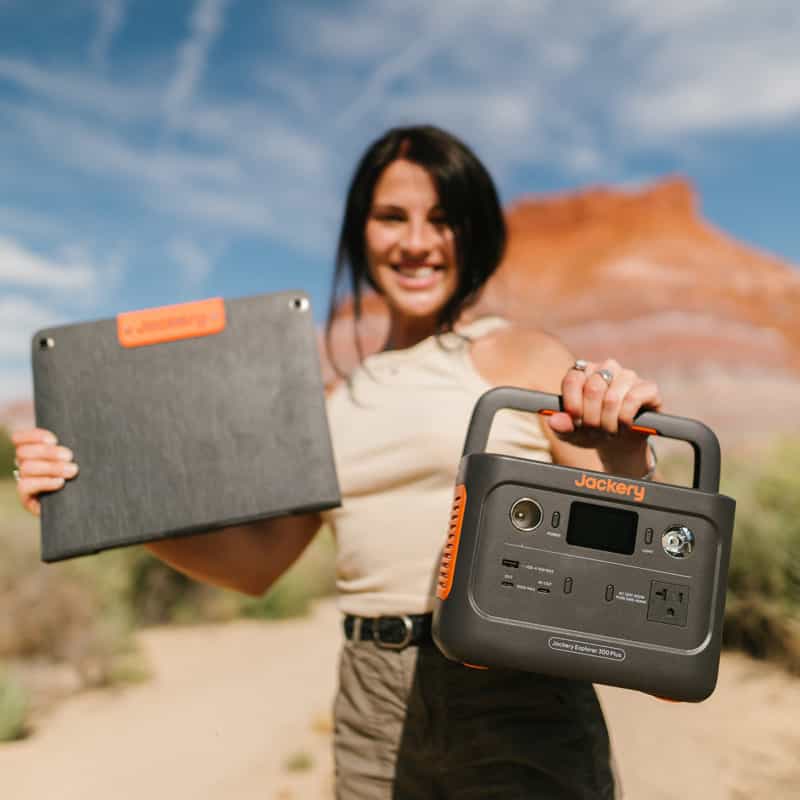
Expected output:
(242, 711)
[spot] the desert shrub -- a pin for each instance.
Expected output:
(14, 706)
(148, 592)
(85, 610)
(299, 762)
(153, 593)
(762, 612)
(52, 612)
(6, 453)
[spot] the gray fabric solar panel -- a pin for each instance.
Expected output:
(184, 436)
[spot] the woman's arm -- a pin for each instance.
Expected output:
(247, 558)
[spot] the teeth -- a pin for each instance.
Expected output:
(417, 272)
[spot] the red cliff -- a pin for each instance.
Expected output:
(640, 276)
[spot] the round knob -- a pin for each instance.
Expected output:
(678, 541)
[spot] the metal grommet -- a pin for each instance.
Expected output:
(299, 304)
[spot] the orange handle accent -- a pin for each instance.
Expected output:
(642, 429)
(473, 666)
(448, 565)
(168, 323)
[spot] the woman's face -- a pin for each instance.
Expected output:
(410, 247)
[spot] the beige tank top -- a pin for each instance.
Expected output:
(398, 428)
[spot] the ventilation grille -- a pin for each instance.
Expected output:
(447, 568)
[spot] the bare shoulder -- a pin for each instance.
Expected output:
(522, 356)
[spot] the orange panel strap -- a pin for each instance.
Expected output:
(168, 323)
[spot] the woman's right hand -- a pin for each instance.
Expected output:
(43, 465)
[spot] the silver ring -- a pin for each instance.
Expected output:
(15, 473)
(580, 364)
(606, 374)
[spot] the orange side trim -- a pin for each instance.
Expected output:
(448, 565)
(547, 412)
(642, 429)
(168, 323)
(473, 666)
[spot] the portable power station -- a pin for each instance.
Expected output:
(584, 575)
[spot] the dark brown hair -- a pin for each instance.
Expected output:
(467, 195)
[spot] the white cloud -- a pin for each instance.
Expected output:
(20, 318)
(575, 89)
(257, 184)
(755, 89)
(22, 267)
(404, 63)
(583, 86)
(111, 15)
(243, 213)
(81, 91)
(101, 151)
(256, 135)
(301, 93)
(206, 24)
(195, 262)
(707, 67)
(29, 222)
(16, 383)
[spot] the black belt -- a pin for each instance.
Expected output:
(393, 633)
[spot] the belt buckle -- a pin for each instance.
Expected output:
(393, 645)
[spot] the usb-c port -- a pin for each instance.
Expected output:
(543, 589)
(509, 562)
(507, 583)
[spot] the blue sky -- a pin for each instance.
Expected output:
(159, 152)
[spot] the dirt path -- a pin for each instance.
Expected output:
(241, 711)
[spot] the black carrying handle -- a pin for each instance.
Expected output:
(702, 439)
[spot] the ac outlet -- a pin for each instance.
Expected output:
(669, 603)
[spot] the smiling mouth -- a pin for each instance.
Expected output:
(413, 271)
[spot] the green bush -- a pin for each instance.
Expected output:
(58, 612)
(149, 592)
(762, 613)
(764, 581)
(144, 590)
(6, 453)
(14, 706)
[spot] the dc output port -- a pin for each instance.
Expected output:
(526, 514)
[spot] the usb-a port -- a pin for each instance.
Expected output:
(509, 562)
(507, 583)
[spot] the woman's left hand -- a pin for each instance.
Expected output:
(600, 402)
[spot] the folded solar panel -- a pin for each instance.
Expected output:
(183, 419)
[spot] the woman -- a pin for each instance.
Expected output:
(424, 228)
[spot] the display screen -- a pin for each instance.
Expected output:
(602, 528)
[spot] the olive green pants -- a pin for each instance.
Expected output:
(412, 725)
